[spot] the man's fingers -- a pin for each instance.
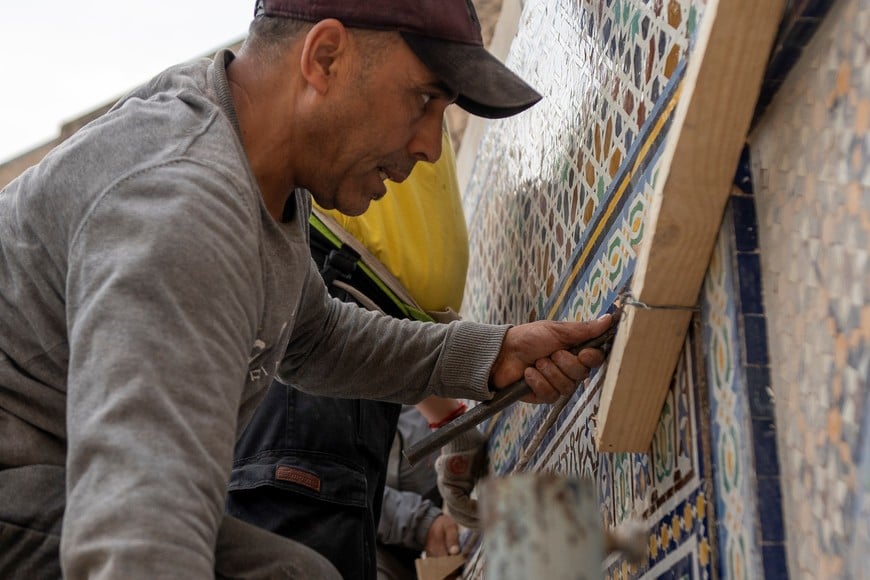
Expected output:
(560, 374)
(573, 366)
(443, 536)
(436, 548)
(589, 330)
(554, 375)
(543, 391)
(525, 343)
(591, 358)
(440, 548)
(451, 537)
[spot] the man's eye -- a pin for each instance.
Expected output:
(426, 99)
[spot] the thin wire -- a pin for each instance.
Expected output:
(625, 299)
(628, 300)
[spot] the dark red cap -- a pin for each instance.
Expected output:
(444, 34)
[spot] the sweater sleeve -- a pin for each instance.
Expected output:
(162, 291)
(406, 518)
(341, 350)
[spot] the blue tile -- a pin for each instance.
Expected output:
(764, 443)
(745, 222)
(761, 403)
(801, 31)
(755, 335)
(768, 89)
(783, 61)
(770, 510)
(749, 268)
(815, 8)
(743, 176)
(775, 566)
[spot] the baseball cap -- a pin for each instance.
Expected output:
(445, 36)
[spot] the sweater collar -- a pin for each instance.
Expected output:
(221, 86)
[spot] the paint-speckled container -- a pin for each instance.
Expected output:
(541, 525)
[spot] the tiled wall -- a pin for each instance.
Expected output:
(556, 202)
(556, 205)
(811, 168)
(746, 476)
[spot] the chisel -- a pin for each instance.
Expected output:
(501, 399)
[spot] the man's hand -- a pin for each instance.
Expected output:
(461, 462)
(442, 539)
(536, 352)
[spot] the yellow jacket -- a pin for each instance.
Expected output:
(418, 232)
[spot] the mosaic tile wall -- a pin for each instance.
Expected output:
(746, 475)
(811, 168)
(556, 204)
(561, 193)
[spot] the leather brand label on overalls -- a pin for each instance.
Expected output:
(294, 475)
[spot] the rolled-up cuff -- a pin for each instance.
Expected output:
(468, 358)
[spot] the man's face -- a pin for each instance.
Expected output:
(385, 118)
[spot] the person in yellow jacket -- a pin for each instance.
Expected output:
(314, 468)
(418, 232)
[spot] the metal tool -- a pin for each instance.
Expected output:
(501, 399)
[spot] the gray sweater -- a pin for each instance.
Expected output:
(147, 299)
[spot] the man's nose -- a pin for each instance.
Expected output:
(426, 143)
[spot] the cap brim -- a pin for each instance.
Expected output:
(486, 87)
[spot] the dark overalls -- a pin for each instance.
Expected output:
(313, 468)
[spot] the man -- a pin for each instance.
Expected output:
(156, 277)
(298, 445)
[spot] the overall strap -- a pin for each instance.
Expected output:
(345, 254)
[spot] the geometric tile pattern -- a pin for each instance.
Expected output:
(746, 471)
(543, 186)
(668, 486)
(811, 170)
(556, 204)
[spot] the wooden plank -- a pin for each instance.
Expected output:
(722, 83)
(438, 567)
(631, 399)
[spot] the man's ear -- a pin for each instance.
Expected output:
(324, 45)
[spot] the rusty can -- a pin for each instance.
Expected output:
(541, 525)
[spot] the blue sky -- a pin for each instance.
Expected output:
(61, 58)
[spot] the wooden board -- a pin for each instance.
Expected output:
(721, 87)
(439, 567)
